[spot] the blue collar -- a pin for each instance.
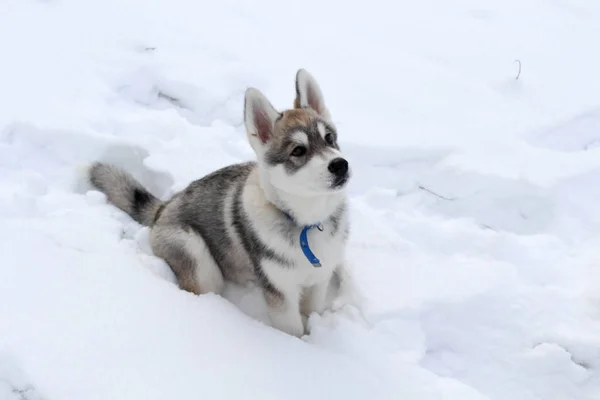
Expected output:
(310, 256)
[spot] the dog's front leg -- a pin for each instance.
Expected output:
(315, 298)
(284, 310)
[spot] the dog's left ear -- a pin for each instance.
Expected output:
(259, 116)
(308, 94)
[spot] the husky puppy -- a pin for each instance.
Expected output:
(280, 222)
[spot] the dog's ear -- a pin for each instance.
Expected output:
(308, 94)
(259, 115)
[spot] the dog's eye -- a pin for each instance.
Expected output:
(299, 151)
(329, 138)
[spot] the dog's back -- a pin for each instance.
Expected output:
(206, 208)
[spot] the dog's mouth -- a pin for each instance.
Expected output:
(339, 181)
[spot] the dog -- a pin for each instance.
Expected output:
(280, 222)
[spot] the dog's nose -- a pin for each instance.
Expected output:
(338, 167)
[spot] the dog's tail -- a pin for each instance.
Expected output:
(125, 192)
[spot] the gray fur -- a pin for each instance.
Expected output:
(317, 145)
(125, 192)
(231, 224)
(335, 219)
(252, 244)
(182, 263)
(200, 208)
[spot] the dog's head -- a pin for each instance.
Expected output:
(297, 148)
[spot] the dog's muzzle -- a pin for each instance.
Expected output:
(339, 168)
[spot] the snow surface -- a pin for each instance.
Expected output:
(476, 220)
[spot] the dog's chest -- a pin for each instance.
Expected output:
(326, 243)
(324, 246)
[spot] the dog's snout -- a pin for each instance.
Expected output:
(338, 166)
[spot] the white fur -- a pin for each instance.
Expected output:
(312, 179)
(307, 207)
(308, 196)
(269, 190)
(303, 278)
(208, 272)
(307, 193)
(300, 137)
(321, 129)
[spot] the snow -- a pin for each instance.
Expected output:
(475, 241)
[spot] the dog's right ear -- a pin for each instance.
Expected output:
(308, 94)
(259, 115)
